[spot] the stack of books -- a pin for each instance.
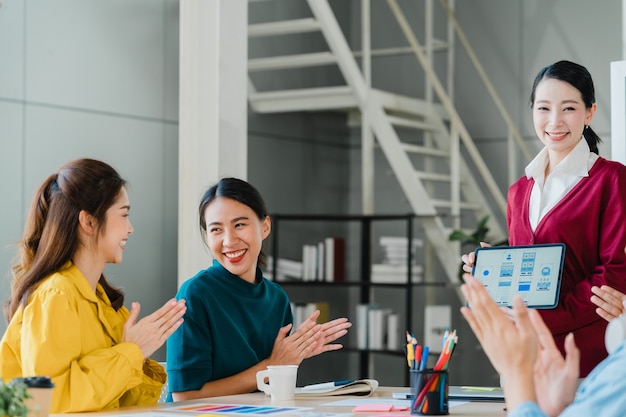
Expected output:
(395, 249)
(394, 268)
(377, 328)
(288, 270)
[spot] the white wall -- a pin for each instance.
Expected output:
(94, 79)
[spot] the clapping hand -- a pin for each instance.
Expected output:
(309, 339)
(152, 331)
(331, 331)
(611, 302)
(556, 378)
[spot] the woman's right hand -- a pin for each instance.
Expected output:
(469, 258)
(152, 331)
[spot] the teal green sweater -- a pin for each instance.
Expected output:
(230, 325)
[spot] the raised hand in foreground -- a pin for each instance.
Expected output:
(523, 351)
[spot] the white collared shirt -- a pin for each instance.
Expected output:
(547, 193)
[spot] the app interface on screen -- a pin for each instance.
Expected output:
(531, 272)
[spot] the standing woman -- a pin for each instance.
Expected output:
(237, 322)
(571, 195)
(65, 320)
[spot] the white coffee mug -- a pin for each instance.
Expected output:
(282, 381)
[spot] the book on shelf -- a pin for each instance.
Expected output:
(362, 314)
(376, 328)
(320, 266)
(309, 262)
(335, 262)
(324, 260)
(393, 332)
(362, 387)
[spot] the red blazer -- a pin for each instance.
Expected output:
(591, 221)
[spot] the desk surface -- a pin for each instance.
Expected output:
(473, 409)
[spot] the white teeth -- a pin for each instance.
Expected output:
(123, 243)
(234, 254)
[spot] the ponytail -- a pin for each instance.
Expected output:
(592, 139)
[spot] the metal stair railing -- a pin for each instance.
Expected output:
(374, 113)
(373, 108)
(513, 131)
(457, 123)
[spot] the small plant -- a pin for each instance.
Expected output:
(12, 399)
(474, 239)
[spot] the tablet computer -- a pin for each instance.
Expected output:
(534, 272)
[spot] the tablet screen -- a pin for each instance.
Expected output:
(533, 272)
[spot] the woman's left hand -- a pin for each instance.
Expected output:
(331, 331)
(611, 302)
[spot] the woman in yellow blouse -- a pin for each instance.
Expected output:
(65, 320)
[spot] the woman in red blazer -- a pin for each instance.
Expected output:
(569, 194)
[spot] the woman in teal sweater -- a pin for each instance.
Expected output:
(237, 322)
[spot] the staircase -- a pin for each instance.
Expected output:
(435, 177)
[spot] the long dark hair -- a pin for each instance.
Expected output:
(578, 77)
(50, 236)
(238, 190)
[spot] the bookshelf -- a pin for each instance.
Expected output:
(359, 257)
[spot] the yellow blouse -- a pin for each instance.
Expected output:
(74, 336)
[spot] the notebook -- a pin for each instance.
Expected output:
(362, 387)
(464, 393)
(467, 393)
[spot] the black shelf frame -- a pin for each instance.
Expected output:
(365, 263)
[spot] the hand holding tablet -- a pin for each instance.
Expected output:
(534, 272)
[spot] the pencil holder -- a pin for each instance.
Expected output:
(429, 392)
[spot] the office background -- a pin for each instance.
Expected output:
(100, 79)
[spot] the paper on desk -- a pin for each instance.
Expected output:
(354, 402)
(485, 389)
(378, 408)
(221, 409)
(146, 414)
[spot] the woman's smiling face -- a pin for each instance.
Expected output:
(234, 235)
(560, 116)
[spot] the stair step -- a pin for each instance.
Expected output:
(338, 97)
(438, 46)
(324, 98)
(448, 204)
(423, 150)
(284, 27)
(432, 176)
(291, 61)
(412, 123)
(398, 103)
